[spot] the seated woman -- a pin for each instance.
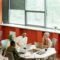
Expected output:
(12, 49)
(46, 42)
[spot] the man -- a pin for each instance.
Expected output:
(12, 50)
(22, 40)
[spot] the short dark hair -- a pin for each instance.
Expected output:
(12, 43)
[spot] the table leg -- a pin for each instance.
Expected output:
(54, 57)
(40, 59)
(37, 59)
(29, 59)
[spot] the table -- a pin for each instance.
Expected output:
(3, 58)
(31, 55)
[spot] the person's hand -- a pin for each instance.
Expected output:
(45, 46)
(18, 44)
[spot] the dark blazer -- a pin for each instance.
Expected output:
(14, 52)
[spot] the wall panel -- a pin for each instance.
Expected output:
(33, 36)
(5, 10)
(0, 11)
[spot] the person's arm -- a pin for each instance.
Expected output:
(45, 43)
(49, 43)
(26, 39)
(18, 41)
(18, 44)
(15, 52)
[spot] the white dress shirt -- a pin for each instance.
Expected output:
(22, 41)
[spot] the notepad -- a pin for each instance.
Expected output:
(41, 52)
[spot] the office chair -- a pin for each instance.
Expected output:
(54, 40)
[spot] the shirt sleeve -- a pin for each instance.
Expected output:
(26, 40)
(18, 39)
(15, 52)
(49, 43)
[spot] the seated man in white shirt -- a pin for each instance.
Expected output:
(22, 40)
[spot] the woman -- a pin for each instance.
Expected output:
(46, 42)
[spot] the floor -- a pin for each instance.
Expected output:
(58, 58)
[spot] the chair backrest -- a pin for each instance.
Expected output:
(12, 33)
(54, 40)
(4, 43)
(0, 35)
(10, 55)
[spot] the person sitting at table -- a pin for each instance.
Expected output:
(22, 40)
(12, 49)
(46, 41)
(6, 43)
(13, 38)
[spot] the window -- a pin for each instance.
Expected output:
(35, 5)
(53, 14)
(17, 4)
(17, 17)
(20, 12)
(34, 18)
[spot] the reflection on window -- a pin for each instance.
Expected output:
(18, 8)
(17, 4)
(35, 19)
(35, 5)
(17, 17)
(53, 13)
